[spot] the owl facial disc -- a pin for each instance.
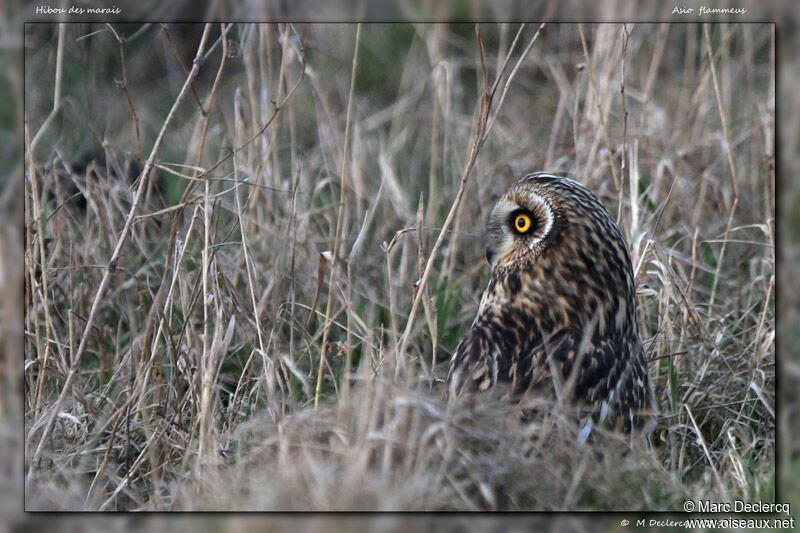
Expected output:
(518, 225)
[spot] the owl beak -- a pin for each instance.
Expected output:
(490, 256)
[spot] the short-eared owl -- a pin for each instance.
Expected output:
(559, 314)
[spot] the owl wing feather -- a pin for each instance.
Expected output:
(604, 378)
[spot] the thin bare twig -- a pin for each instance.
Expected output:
(633, 175)
(165, 29)
(734, 181)
(40, 228)
(339, 217)
(124, 87)
(705, 449)
(513, 72)
(210, 356)
(601, 114)
(56, 90)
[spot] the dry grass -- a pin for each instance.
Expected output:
(222, 307)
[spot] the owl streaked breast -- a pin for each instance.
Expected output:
(558, 317)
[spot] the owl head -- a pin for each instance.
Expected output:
(547, 215)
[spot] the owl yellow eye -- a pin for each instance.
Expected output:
(522, 223)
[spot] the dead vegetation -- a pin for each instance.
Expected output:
(250, 250)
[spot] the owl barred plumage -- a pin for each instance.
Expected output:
(561, 298)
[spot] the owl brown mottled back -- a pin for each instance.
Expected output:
(559, 315)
